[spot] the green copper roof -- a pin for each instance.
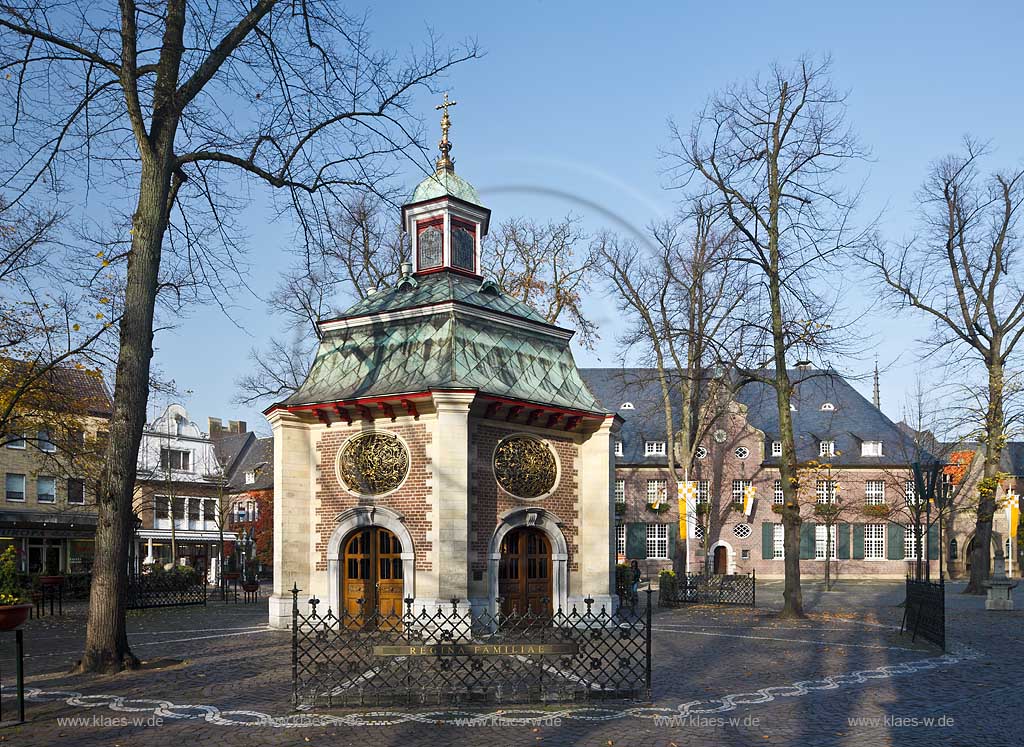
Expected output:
(440, 287)
(442, 183)
(454, 348)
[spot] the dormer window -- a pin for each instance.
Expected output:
(250, 477)
(429, 243)
(826, 448)
(654, 448)
(463, 245)
(828, 407)
(776, 448)
(627, 406)
(871, 448)
(618, 448)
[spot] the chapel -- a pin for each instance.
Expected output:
(443, 447)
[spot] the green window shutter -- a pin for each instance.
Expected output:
(807, 541)
(858, 542)
(894, 542)
(767, 539)
(933, 542)
(636, 541)
(843, 542)
(673, 537)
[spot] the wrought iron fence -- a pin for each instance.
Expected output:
(924, 611)
(699, 588)
(448, 655)
(164, 590)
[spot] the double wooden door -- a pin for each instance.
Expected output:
(372, 565)
(524, 572)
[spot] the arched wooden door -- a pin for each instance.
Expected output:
(524, 572)
(372, 563)
(721, 560)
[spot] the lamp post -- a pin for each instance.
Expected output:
(925, 484)
(133, 547)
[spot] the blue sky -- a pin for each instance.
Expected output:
(568, 110)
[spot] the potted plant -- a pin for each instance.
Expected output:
(51, 574)
(14, 607)
(250, 583)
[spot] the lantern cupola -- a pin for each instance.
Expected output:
(444, 217)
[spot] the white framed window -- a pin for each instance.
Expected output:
(776, 448)
(701, 452)
(909, 544)
(911, 493)
(620, 539)
(777, 497)
(46, 489)
(826, 491)
(742, 452)
(45, 442)
(174, 459)
(250, 477)
(15, 486)
(738, 486)
(627, 406)
(620, 491)
(821, 539)
(703, 491)
(654, 448)
(874, 492)
(16, 442)
(657, 541)
(828, 407)
(657, 491)
(874, 541)
(618, 448)
(871, 448)
(778, 545)
(826, 448)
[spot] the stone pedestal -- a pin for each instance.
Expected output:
(1000, 588)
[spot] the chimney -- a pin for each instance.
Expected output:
(214, 426)
(405, 269)
(236, 426)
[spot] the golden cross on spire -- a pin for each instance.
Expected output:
(444, 162)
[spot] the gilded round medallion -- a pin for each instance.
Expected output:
(373, 463)
(525, 466)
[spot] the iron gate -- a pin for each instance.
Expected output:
(924, 611)
(447, 655)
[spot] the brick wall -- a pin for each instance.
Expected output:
(488, 502)
(412, 499)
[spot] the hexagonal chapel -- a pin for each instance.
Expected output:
(443, 445)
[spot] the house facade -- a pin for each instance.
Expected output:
(857, 494)
(180, 496)
(248, 463)
(49, 467)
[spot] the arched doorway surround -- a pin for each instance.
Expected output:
(716, 549)
(550, 524)
(368, 516)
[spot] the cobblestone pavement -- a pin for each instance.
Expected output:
(729, 676)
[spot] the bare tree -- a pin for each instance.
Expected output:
(963, 273)
(172, 103)
(548, 266)
(767, 154)
(679, 297)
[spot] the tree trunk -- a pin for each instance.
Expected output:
(106, 640)
(989, 485)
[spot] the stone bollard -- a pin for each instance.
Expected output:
(1000, 588)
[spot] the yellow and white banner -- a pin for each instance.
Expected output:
(687, 504)
(749, 492)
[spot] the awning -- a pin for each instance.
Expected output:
(185, 535)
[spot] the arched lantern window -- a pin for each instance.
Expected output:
(953, 549)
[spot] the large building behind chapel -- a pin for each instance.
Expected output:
(443, 447)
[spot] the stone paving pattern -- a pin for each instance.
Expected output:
(224, 656)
